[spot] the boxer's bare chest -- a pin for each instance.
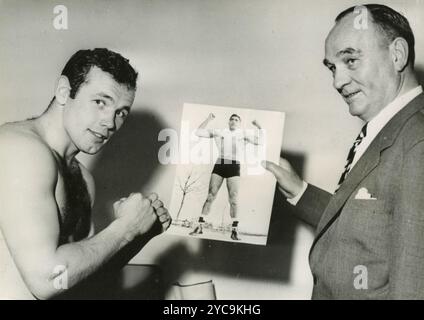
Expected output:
(73, 201)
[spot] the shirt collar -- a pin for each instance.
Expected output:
(383, 117)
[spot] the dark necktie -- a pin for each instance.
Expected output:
(351, 155)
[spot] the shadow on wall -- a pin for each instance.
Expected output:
(269, 263)
(126, 165)
(419, 70)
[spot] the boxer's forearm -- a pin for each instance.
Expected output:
(204, 123)
(201, 131)
(74, 262)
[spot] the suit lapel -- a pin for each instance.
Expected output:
(369, 160)
(363, 167)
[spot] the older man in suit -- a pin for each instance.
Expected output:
(370, 233)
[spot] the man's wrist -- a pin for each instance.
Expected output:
(293, 201)
(124, 230)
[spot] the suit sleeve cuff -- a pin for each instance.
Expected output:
(295, 200)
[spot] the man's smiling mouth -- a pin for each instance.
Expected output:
(98, 135)
(350, 95)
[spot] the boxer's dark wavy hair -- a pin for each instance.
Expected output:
(78, 66)
(234, 115)
(391, 23)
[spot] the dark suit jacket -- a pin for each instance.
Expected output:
(378, 244)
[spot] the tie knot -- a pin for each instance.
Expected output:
(361, 135)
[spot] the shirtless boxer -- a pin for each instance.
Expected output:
(46, 195)
(230, 143)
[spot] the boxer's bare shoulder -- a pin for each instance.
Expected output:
(23, 151)
(21, 144)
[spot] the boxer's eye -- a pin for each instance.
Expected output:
(100, 102)
(122, 113)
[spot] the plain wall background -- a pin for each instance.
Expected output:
(242, 53)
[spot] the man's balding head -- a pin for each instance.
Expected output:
(371, 62)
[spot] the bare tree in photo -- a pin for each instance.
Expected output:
(188, 186)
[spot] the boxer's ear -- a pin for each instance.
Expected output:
(63, 90)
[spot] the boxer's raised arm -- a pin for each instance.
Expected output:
(201, 131)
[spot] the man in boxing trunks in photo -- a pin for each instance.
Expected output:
(230, 143)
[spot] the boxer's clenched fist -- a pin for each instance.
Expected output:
(161, 212)
(136, 212)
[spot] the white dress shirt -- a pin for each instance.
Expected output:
(375, 125)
